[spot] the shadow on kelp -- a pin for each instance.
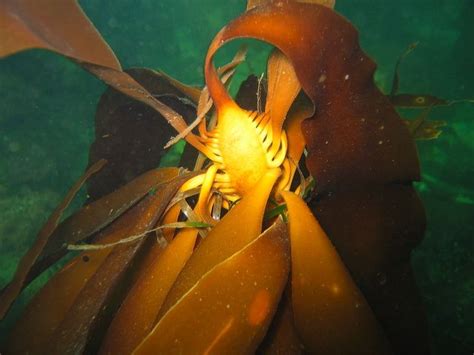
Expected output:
(215, 284)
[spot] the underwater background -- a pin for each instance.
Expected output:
(47, 107)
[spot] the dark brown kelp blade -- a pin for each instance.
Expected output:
(60, 26)
(380, 227)
(13, 289)
(130, 134)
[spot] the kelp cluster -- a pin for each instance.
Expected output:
(244, 266)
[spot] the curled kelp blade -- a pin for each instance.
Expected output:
(26, 24)
(137, 314)
(355, 135)
(241, 225)
(282, 88)
(230, 308)
(324, 296)
(13, 289)
(78, 301)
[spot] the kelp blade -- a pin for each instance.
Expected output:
(240, 226)
(26, 24)
(331, 315)
(230, 308)
(13, 289)
(137, 314)
(70, 306)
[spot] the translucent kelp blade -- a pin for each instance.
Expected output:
(51, 305)
(324, 296)
(87, 319)
(283, 87)
(14, 288)
(230, 308)
(367, 142)
(241, 225)
(60, 26)
(136, 316)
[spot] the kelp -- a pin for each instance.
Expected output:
(10, 293)
(240, 286)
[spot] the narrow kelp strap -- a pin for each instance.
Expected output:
(14, 288)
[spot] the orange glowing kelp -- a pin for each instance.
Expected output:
(226, 285)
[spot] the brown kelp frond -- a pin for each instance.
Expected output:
(29, 24)
(14, 288)
(26, 24)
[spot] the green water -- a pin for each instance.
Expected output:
(47, 110)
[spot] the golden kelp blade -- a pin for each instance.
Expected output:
(230, 308)
(240, 226)
(137, 314)
(331, 315)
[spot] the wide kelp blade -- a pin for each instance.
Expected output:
(60, 26)
(137, 314)
(230, 308)
(84, 325)
(331, 314)
(14, 288)
(131, 135)
(84, 282)
(381, 227)
(241, 225)
(355, 136)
